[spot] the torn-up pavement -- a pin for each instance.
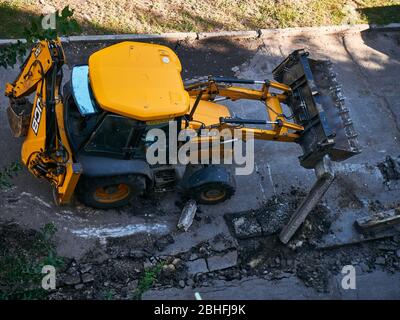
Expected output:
(231, 250)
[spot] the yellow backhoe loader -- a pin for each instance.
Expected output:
(90, 139)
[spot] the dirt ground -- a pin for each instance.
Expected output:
(137, 252)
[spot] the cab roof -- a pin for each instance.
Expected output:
(138, 80)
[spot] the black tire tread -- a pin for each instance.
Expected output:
(86, 187)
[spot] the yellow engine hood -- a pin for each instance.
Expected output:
(138, 80)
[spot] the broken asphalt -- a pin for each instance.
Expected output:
(212, 257)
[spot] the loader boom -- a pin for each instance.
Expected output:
(282, 129)
(320, 123)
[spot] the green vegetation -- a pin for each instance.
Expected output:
(9, 54)
(22, 256)
(381, 14)
(125, 16)
(8, 173)
(147, 280)
(108, 295)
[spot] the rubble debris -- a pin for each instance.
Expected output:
(325, 177)
(225, 261)
(380, 261)
(295, 244)
(71, 280)
(85, 268)
(164, 241)
(137, 254)
(255, 262)
(375, 206)
(196, 266)
(273, 217)
(187, 215)
(379, 221)
(177, 262)
(390, 168)
(190, 282)
(87, 278)
(270, 218)
(364, 267)
(348, 192)
(168, 270)
(221, 242)
(313, 275)
(193, 257)
(246, 226)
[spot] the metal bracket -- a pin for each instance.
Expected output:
(325, 176)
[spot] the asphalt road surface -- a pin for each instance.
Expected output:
(368, 68)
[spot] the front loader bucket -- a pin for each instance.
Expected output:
(318, 105)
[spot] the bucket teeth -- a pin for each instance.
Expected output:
(324, 115)
(326, 80)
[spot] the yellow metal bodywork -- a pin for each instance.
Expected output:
(138, 80)
(207, 113)
(283, 130)
(66, 186)
(32, 79)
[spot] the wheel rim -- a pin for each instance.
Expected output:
(214, 194)
(112, 193)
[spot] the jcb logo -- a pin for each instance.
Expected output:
(37, 116)
(37, 51)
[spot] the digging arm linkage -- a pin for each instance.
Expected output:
(281, 129)
(319, 121)
(45, 150)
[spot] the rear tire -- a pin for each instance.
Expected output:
(212, 193)
(110, 192)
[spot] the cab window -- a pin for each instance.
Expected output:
(112, 136)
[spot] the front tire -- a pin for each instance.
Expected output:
(110, 192)
(212, 193)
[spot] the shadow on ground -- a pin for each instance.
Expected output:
(14, 20)
(381, 15)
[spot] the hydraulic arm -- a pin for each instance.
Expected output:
(45, 150)
(281, 128)
(319, 122)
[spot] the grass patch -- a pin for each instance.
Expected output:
(108, 295)
(380, 12)
(22, 256)
(156, 16)
(147, 280)
(9, 172)
(65, 25)
(13, 20)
